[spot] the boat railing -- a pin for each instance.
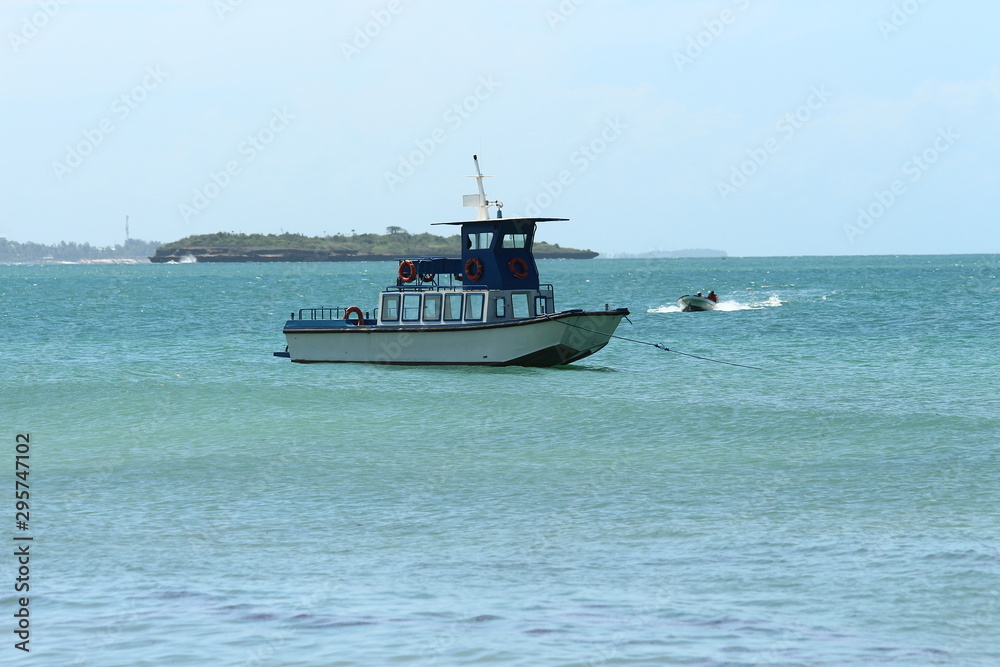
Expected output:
(546, 289)
(430, 287)
(321, 313)
(333, 313)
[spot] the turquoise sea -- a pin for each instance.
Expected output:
(197, 501)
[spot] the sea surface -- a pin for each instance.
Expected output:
(196, 501)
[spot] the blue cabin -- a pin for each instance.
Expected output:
(495, 279)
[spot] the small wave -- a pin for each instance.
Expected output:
(771, 302)
(727, 306)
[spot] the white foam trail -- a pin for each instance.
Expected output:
(727, 306)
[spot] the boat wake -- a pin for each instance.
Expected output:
(727, 306)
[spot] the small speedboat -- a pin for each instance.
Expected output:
(690, 303)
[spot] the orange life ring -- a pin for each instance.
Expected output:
(354, 310)
(427, 277)
(407, 271)
(518, 267)
(474, 269)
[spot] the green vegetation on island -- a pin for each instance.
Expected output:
(288, 247)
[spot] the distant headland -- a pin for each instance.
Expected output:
(132, 251)
(287, 247)
(667, 254)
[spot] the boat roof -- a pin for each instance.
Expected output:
(469, 222)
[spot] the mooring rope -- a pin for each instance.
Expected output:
(658, 346)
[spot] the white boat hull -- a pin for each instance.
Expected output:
(549, 340)
(689, 303)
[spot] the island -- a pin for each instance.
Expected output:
(288, 247)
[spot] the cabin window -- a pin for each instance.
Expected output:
(519, 305)
(540, 305)
(411, 307)
(480, 241)
(390, 308)
(515, 240)
(500, 306)
(452, 307)
(474, 307)
(432, 307)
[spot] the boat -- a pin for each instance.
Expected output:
(690, 303)
(486, 308)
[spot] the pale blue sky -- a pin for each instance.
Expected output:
(758, 127)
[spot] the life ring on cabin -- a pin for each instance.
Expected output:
(354, 310)
(518, 268)
(474, 269)
(427, 277)
(407, 271)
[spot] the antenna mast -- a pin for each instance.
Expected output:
(479, 201)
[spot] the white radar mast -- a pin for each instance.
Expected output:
(479, 201)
